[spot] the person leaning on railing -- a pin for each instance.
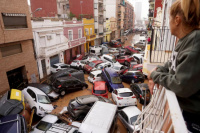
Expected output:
(181, 74)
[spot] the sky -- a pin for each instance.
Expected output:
(145, 7)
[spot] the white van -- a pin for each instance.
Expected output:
(142, 40)
(100, 119)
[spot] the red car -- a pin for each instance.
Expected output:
(114, 43)
(88, 68)
(137, 67)
(100, 89)
(125, 60)
(131, 50)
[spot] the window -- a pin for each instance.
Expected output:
(31, 93)
(86, 32)
(11, 50)
(70, 35)
(95, 5)
(91, 31)
(96, 31)
(95, 19)
(14, 20)
(79, 33)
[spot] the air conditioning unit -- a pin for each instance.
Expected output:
(49, 37)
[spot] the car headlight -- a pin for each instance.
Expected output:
(41, 108)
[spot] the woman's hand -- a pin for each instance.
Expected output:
(151, 72)
(151, 85)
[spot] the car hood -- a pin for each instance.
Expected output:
(53, 94)
(116, 86)
(47, 107)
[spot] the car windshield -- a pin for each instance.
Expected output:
(99, 91)
(44, 126)
(134, 119)
(116, 80)
(91, 64)
(47, 89)
(43, 99)
(126, 94)
(54, 66)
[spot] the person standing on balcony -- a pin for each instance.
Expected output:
(182, 73)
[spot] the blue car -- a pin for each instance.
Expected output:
(112, 79)
(13, 124)
(133, 77)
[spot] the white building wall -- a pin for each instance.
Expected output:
(111, 8)
(49, 40)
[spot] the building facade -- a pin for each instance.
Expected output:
(74, 31)
(107, 31)
(50, 44)
(120, 18)
(63, 9)
(113, 27)
(17, 58)
(89, 33)
(49, 8)
(129, 16)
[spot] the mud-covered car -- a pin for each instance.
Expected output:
(80, 106)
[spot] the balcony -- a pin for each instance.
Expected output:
(119, 12)
(100, 33)
(101, 22)
(90, 37)
(100, 1)
(119, 19)
(161, 115)
(48, 51)
(77, 42)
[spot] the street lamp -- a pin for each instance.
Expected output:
(38, 9)
(81, 8)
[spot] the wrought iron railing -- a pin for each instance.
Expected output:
(161, 115)
(162, 45)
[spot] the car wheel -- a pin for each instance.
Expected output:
(127, 63)
(63, 92)
(132, 81)
(84, 87)
(142, 81)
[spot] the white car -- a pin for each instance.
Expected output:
(78, 64)
(38, 100)
(45, 123)
(95, 76)
(58, 66)
(90, 58)
(119, 68)
(111, 59)
(124, 97)
(139, 58)
(128, 116)
(95, 50)
(113, 50)
(102, 66)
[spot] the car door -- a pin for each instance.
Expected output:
(124, 119)
(31, 98)
(78, 84)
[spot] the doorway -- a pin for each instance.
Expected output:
(17, 77)
(44, 70)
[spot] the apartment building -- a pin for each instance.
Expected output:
(17, 58)
(129, 16)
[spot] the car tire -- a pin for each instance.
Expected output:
(62, 93)
(109, 89)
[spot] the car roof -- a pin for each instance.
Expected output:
(58, 64)
(134, 71)
(122, 90)
(62, 79)
(99, 85)
(96, 72)
(36, 90)
(108, 56)
(131, 111)
(38, 85)
(111, 71)
(97, 61)
(86, 99)
(50, 118)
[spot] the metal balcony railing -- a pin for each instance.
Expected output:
(162, 45)
(161, 115)
(101, 34)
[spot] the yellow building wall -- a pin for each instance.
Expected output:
(88, 24)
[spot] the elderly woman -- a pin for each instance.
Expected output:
(182, 73)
